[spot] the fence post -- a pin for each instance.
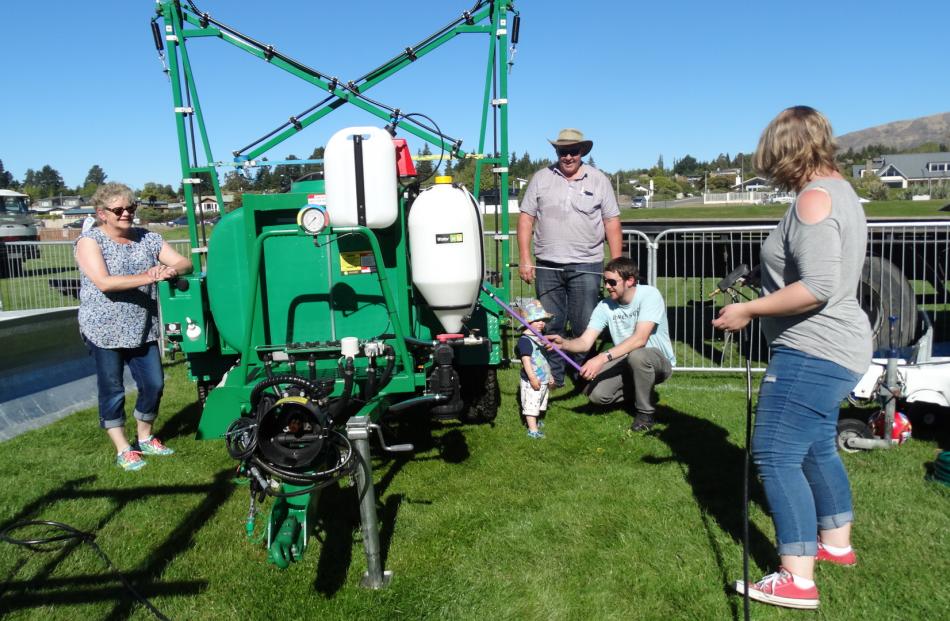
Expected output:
(652, 258)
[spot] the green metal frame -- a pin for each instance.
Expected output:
(182, 22)
(287, 524)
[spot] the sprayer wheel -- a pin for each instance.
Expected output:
(480, 393)
(851, 428)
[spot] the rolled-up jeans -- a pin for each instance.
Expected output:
(146, 366)
(794, 448)
(570, 293)
(645, 367)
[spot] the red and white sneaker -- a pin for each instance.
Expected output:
(848, 559)
(779, 589)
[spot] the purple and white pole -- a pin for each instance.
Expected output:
(543, 338)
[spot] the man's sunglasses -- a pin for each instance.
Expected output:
(612, 282)
(564, 151)
(118, 210)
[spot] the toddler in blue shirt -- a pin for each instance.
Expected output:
(536, 377)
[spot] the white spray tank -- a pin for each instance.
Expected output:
(360, 174)
(445, 243)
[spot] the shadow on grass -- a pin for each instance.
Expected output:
(41, 589)
(338, 515)
(931, 423)
(713, 467)
(182, 423)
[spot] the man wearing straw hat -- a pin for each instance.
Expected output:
(570, 207)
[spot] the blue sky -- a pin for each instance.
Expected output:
(84, 85)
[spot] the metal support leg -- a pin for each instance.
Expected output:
(357, 430)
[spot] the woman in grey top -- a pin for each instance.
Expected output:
(118, 316)
(820, 341)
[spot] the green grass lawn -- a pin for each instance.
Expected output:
(591, 522)
(170, 233)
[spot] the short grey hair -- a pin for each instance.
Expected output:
(108, 192)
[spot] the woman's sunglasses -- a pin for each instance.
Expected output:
(118, 210)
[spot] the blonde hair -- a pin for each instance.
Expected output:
(797, 144)
(108, 192)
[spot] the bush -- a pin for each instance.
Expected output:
(150, 214)
(870, 187)
(940, 190)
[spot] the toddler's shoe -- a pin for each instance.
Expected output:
(536, 435)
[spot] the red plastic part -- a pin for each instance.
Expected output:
(442, 338)
(404, 165)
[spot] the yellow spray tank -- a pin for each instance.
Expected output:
(445, 243)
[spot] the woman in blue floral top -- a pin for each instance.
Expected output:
(118, 316)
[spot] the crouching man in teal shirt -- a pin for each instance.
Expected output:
(641, 356)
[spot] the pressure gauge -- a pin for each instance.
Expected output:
(313, 219)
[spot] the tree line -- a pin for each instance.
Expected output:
(681, 178)
(47, 182)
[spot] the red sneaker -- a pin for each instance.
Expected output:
(779, 589)
(848, 559)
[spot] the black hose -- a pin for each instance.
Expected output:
(297, 64)
(352, 87)
(408, 403)
(72, 533)
(240, 426)
(312, 388)
(387, 375)
(397, 59)
(411, 340)
(301, 492)
(338, 407)
(442, 137)
(370, 387)
(305, 478)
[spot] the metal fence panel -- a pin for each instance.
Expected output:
(636, 245)
(907, 269)
(689, 263)
(44, 275)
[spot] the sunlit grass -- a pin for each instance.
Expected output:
(592, 522)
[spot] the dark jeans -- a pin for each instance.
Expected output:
(645, 367)
(794, 448)
(570, 295)
(146, 367)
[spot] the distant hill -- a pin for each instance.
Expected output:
(900, 135)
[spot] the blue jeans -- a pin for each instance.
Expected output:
(570, 295)
(146, 367)
(794, 448)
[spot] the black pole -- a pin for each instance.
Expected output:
(747, 458)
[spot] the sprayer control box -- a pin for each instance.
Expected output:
(183, 312)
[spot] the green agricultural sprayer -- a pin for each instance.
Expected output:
(315, 315)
